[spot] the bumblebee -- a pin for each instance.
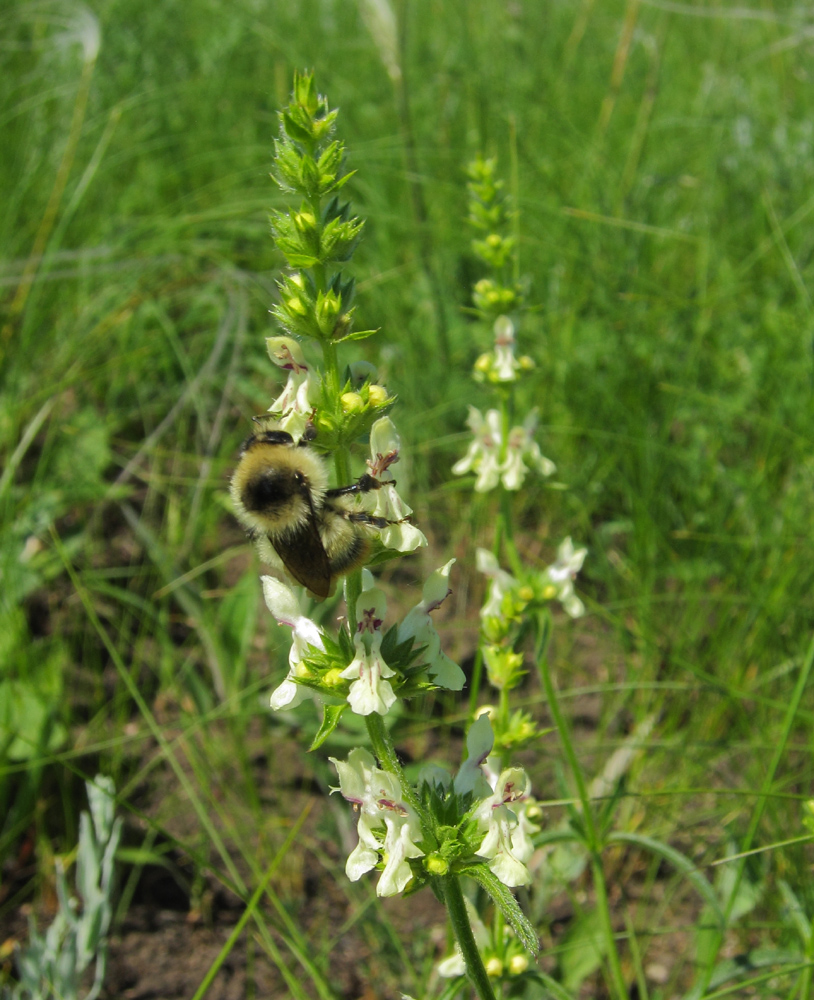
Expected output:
(281, 497)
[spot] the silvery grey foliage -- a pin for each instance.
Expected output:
(52, 964)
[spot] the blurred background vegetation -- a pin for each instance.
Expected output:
(663, 176)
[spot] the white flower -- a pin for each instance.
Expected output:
(283, 604)
(562, 574)
(483, 454)
(386, 502)
(505, 364)
(500, 584)
(506, 844)
(296, 402)
(370, 690)
(522, 446)
(418, 625)
(378, 797)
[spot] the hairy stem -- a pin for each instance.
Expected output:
(459, 918)
(388, 761)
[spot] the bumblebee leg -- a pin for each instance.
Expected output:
(362, 517)
(364, 484)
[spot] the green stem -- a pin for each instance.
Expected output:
(515, 183)
(353, 588)
(459, 918)
(331, 362)
(505, 524)
(388, 761)
(592, 836)
(603, 909)
(503, 721)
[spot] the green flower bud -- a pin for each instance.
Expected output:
(333, 678)
(435, 864)
(352, 402)
(494, 967)
(518, 965)
(377, 395)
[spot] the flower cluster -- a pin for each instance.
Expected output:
(509, 604)
(498, 459)
(368, 670)
(499, 454)
(500, 366)
(507, 597)
(488, 817)
(388, 826)
(490, 217)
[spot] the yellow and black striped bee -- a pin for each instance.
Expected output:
(281, 497)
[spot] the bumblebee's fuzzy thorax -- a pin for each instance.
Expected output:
(281, 497)
(278, 486)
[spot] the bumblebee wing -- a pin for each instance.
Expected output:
(304, 557)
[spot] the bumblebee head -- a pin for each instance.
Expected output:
(277, 485)
(270, 437)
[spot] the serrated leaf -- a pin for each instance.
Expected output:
(357, 335)
(294, 130)
(504, 900)
(331, 714)
(344, 180)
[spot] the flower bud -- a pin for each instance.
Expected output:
(295, 305)
(333, 678)
(377, 395)
(518, 964)
(494, 967)
(352, 402)
(435, 864)
(328, 309)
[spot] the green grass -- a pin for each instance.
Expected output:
(666, 232)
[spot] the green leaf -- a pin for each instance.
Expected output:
(552, 987)
(143, 856)
(295, 131)
(26, 728)
(504, 900)
(331, 714)
(357, 335)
